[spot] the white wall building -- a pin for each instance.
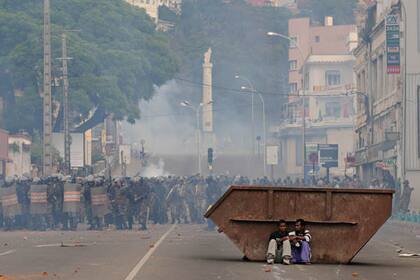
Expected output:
(411, 103)
(329, 114)
(19, 163)
(152, 6)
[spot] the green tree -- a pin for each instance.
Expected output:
(341, 10)
(118, 58)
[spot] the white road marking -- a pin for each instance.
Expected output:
(48, 245)
(7, 252)
(300, 268)
(64, 245)
(146, 257)
(338, 271)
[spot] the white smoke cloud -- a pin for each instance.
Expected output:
(169, 129)
(166, 126)
(154, 170)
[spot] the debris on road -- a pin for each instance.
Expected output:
(409, 255)
(355, 274)
(77, 244)
(267, 268)
(145, 237)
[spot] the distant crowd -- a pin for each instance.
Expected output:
(60, 202)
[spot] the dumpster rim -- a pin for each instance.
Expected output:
(293, 189)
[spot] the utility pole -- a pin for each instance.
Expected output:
(198, 135)
(47, 118)
(64, 58)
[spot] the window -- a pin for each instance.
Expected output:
(333, 109)
(317, 39)
(298, 151)
(418, 121)
(418, 26)
(293, 87)
(359, 82)
(380, 76)
(292, 65)
(332, 78)
(280, 151)
(374, 79)
(293, 42)
(363, 82)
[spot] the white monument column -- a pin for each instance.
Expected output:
(207, 109)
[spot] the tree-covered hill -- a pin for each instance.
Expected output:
(236, 32)
(341, 10)
(118, 57)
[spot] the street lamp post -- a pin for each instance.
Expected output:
(253, 91)
(197, 129)
(252, 111)
(293, 41)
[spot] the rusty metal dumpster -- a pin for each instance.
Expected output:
(341, 221)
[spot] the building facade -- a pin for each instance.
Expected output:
(321, 54)
(388, 120)
(272, 3)
(152, 6)
(412, 100)
(327, 39)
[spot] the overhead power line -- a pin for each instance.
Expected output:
(239, 91)
(185, 113)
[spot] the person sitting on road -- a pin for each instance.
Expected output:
(279, 245)
(299, 239)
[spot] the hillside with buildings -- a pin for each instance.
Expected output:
(324, 74)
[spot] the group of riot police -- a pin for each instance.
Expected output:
(64, 202)
(60, 202)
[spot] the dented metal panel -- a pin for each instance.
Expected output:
(341, 221)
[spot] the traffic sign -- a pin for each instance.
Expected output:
(393, 44)
(313, 157)
(328, 155)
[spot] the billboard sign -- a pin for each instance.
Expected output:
(77, 148)
(386, 164)
(328, 155)
(392, 27)
(272, 155)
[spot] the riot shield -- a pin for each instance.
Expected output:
(72, 198)
(39, 202)
(100, 202)
(9, 202)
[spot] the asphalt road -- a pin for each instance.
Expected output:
(187, 252)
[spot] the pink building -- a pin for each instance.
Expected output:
(327, 39)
